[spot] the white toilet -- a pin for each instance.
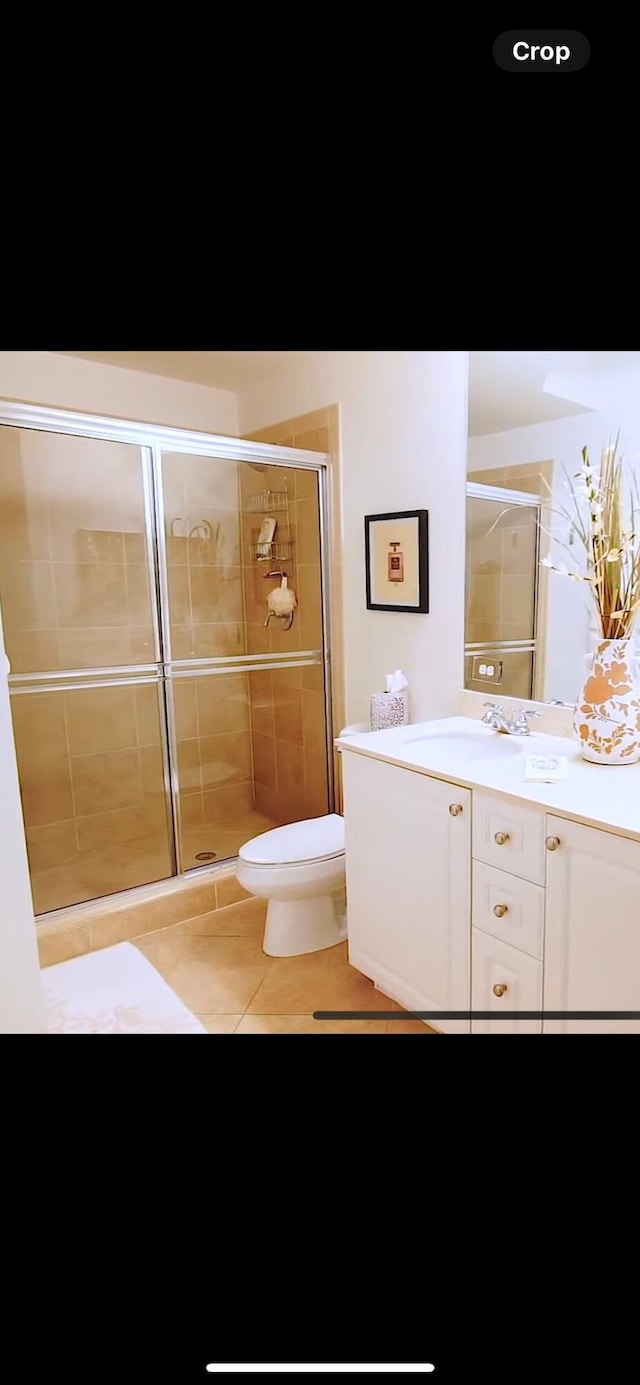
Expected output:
(300, 871)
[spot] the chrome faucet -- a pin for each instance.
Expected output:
(516, 725)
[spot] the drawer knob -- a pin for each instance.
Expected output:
(500, 989)
(500, 910)
(501, 838)
(552, 843)
(455, 809)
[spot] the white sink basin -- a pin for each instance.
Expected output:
(467, 746)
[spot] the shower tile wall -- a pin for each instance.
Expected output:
(287, 705)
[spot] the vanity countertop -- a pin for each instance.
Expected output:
(603, 796)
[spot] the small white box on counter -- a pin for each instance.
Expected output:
(545, 769)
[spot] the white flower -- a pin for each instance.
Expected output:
(546, 562)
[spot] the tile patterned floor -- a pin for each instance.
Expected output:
(216, 965)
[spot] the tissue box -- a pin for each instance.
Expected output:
(389, 709)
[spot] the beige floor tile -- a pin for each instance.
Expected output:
(220, 1024)
(305, 1024)
(62, 944)
(243, 920)
(212, 976)
(228, 891)
(318, 981)
(408, 1027)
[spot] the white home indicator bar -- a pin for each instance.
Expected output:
(320, 1368)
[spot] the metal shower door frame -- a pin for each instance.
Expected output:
(153, 441)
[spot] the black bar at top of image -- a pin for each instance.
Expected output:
(476, 1015)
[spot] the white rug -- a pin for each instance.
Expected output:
(114, 991)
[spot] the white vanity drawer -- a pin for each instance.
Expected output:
(509, 836)
(508, 907)
(503, 980)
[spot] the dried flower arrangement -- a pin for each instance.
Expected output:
(605, 518)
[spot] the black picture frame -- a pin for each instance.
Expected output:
(422, 516)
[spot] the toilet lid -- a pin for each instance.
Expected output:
(317, 839)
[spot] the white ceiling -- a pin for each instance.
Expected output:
(505, 387)
(226, 370)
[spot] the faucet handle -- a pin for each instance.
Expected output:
(494, 706)
(520, 719)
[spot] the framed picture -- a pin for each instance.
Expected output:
(397, 561)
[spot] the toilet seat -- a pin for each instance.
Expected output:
(297, 844)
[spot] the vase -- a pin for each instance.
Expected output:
(607, 716)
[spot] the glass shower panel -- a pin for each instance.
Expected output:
(91, 777)
(204, 561)
(500, 598)
(74, 577)
(222, 564)
(78, 596)
(215, 767)
(251, 737)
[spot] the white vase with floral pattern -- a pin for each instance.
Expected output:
(607, 715)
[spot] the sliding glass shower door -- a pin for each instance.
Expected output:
(246, 685)
(164, 710)
(78, 594)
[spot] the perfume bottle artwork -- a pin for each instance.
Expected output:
(396, 563)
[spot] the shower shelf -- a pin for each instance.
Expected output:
(267, 552)
(267, 501)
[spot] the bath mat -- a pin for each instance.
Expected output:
(114, 991)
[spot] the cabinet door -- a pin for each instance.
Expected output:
(505, 981)
(592, 928)
(408, 884)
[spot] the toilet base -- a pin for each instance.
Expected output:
(296, 926)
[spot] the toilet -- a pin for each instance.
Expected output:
(300, 870)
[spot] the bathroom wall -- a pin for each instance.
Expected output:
(67, 382)
(287, 705)
(403, 423)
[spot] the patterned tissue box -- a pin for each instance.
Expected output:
(389, 709)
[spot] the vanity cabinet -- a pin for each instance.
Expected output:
(592, 929)
(408, 855)
(461, 898)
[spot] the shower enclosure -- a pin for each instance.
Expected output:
(159, 721)
(501, 605)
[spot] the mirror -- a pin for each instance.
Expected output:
(528, 629)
